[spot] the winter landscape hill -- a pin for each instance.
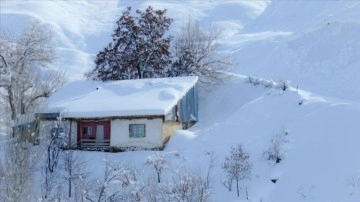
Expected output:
(315, 123)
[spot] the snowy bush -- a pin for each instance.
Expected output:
(158, 162)
(185, 186)
(275, 151)
(18, 165)
(236, 167)
(354, 183)
(74, 172)
(116, 185)
(281, 84)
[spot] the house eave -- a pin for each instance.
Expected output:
(106, 117)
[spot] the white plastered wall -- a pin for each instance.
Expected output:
(73, 135)
(119, 133)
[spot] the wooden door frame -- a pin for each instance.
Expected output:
(93, 124)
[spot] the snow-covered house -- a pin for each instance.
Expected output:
(120, 114)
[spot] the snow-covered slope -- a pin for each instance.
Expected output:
(320, 143)
(314, 44)
(323, 59)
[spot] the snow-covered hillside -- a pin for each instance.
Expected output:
(313, 44)
(320, 142)
(320, 51)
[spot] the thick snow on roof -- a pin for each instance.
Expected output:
(90, 99)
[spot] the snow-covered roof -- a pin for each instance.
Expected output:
(142, 97)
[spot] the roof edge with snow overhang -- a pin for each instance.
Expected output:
(124, 98)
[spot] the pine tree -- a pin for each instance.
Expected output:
(139, 48)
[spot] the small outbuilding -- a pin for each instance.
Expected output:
(122, 114)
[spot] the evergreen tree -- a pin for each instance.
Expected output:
(139, 48)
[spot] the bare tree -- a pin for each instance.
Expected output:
(49, 183)
(59, 166)
(158, 162)
(74, 166)
(236, 167)
(21, 76)
(185, 186)
(112, 187)
(23, 83)
(210, 168)
(275, 152)
(50, 167)
(196, 52)
(19, 164)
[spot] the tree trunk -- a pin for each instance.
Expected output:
(237, 187)
(69, 187)
(158, 175)
(139, 70)
(22, 105)
(69, 164)
(46, 183)
(247, 195)
(11, 102)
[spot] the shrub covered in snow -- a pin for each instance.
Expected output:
(236, 167)
(118, 184)
(186, 186)
(280, 84)
(158, 162)
(275, 151)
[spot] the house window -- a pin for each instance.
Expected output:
(137, 130)
(87, 130)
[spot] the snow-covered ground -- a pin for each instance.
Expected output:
(314, 44)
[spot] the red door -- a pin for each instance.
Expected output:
(94, 130)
